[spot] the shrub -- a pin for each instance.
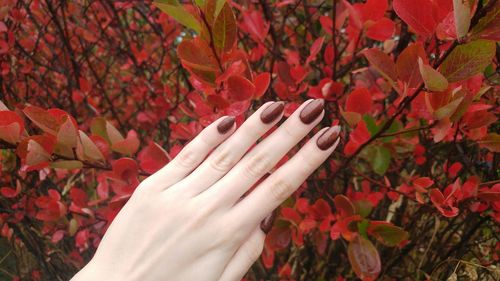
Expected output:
(97, 95)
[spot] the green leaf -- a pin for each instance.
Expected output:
(488, 27)
(363, 207)
(200, 3)
(363, 227)
(395, 127)
(381, 160)
(468, 60)
(224, 30)
(370, 124)
(373, 128)
(461, 13)
(389, 235)
(434, 81)
(67, 164)
(174, 9)
(219, 6)
(98, 128)
(364, 258)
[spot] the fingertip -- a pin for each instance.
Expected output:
(226, 124)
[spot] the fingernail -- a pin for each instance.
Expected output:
(312, 111)
(328, 138)
(268, 222)
(272, 112)
(226, 124)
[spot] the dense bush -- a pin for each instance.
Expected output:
(97, 94)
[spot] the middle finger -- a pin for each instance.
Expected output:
(263, 157)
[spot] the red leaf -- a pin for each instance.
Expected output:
(359, 100)
(9, 192)
(407, 64)
(284, 74)
(381, 30)
(326, 89)
(127, 146)
(423, 182)
(196, 54)
(418, 14)
(11, 126)
(278, 238)
(374, 9)
(152, 158)
(291, 215)
(327, 24)
(42, 119)
(86, 149)
(356, 138)
(381, 62)
(84, 85)
(240, 88)
(315, 49)
(125, 172)
(364, 258)
(255, 25)
(444, 206)
(197, 57)
(344, 206)
(261, 83)
(454, 169)
(3, 27)
(67, 134)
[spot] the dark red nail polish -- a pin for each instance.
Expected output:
(268, 222)
(312, 111)
(226, 124)
(328, 138)
(272, 112)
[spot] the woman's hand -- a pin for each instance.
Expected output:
(187, 222)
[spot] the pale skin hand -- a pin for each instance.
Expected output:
(186, 222)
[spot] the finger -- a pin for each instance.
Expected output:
(244, 257)
(281, 184)
(193, 153)
(222, 159)
(262, 158)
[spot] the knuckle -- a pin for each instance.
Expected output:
(222, 161)
(308, 163)
(228, 236)
(254, 251)
(187, 158)
(291, 133)
(281, 189)
(257, 165)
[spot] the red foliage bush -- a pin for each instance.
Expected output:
(97, 95)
